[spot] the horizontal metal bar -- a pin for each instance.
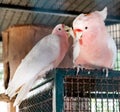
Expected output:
(90, 73)
(104, 96)
(41, 84)
(38, 10)
(111, 18)
(98, 96)
(72, 72)
(63, 13)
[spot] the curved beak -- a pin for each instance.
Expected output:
(78, 33)
(75, 33)
(68, 30)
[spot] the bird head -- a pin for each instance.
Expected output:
(68, 30)
(61, 30)
(88, 27)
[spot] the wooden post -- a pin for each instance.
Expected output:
(11, 108)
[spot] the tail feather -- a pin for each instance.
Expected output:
(24, 87)
(23, 91)
(12, 89)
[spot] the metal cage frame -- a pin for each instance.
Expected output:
(60, 75)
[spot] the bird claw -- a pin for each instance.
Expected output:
(106, 71)
(79, 67)
(89, 72)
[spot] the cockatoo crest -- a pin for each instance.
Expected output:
(103, 13)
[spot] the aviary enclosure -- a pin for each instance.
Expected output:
(62, 90)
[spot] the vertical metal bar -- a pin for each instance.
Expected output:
(78, 97)
(107, 92)
(101, 83)
(113, 84)
(58, 91)
(90, 89)
(71, 98)
(96, 94)
(119, 96)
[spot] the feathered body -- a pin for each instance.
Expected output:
(44, 56)
(93, 46)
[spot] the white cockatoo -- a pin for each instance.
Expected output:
(44, 56)
(93, 46)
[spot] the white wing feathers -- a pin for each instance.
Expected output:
(38, 60)
(25, 89)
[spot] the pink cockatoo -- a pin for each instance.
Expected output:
(93, 46)
(44, 56)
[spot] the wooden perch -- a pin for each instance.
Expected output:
(5, 98)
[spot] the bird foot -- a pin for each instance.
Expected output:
(89, 72)
(106, 71)
(79, 67)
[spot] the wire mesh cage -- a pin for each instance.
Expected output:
(91, 94)
(38, 102)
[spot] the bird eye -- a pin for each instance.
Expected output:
(59, 29)
(67, 30)
(86, 27)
